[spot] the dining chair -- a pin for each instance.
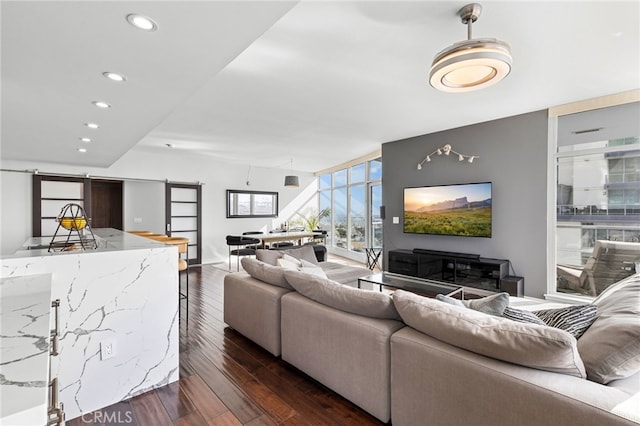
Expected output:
(254, 233)
(243, 248)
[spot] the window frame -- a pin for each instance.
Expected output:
(232, 210)
(553, 154)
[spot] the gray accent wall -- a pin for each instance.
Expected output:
(513, 156)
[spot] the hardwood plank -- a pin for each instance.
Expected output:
(175, 401)
(243, 407)
(303, 405)
(204, 400)
(269, 401)
(262, 355)
(149, 410)
(342, 410)
(226, 419)
(191, 419)
(263, 421)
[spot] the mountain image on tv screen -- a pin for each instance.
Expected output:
(463, 210)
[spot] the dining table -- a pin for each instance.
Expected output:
(273, 237)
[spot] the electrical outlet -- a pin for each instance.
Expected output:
(107, 350)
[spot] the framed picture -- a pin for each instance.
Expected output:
(251, 203)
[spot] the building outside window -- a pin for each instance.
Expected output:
(354, 195)
(597, 214)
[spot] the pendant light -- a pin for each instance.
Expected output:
(471, 64)
(291, 181)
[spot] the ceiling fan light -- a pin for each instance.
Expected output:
(471, 65)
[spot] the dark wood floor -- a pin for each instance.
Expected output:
(225, 379)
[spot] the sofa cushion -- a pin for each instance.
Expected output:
(574, 319)
(531, 345)
(367, 303)
(264, 272)
(344, 274)
(610, 348)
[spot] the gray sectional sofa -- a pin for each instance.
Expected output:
(412, 360)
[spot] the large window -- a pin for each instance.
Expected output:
(597, 230)
(354, 196)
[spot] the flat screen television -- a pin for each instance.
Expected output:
(461, 210)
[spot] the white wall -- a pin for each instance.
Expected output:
(173, 165)
(143, 207)
(15, 210)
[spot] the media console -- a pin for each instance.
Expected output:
(469, 270)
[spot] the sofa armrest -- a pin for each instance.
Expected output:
(252, 308)
(346, 352)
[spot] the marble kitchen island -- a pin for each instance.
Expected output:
(122, 295)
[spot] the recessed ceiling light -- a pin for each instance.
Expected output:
(114, 76)
(87, 140)
(82, 150)
(142, 22)
(91, 125)
(101, 104)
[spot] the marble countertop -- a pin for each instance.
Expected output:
(107, 239)
(24, 348)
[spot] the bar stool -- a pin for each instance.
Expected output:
(183, 265)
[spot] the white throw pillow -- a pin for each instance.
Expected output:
(291, 263)
(288, 262)
(313, 270)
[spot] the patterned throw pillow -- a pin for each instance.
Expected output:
(521, 316)
(574, 319)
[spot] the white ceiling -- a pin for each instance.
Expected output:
(261, 83)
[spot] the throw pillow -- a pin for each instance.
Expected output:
(450, 300)
(302, 252)
(543, 348)
(367, 303)
(492, 305)
(291, 263)
(610, 348)
(574, 319)
(264, 272)
(288, 263)
(306, 264)
(269, 256)
(313, 270)
(520, 315)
